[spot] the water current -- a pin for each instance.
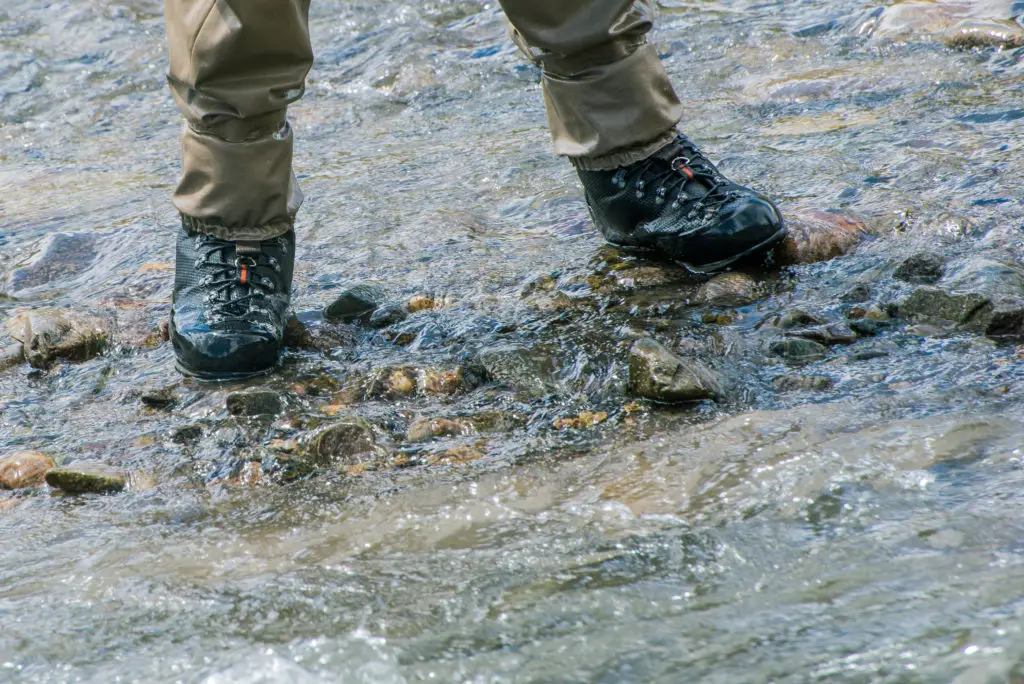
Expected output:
(870, 529)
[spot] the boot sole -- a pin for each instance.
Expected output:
(222, 376)
(714, 267)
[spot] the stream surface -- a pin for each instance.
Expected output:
(870, 530)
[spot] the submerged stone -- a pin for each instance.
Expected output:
(62, 257)
(428, 428)
(24, 469)
(983, 295)
(388, 315)
(86, 478)
(921, 268)
(828, 335)
(796, 383)
(51, 334)
(818, 236)
(12, 355)
(798, 350)
(257, 403)
(728, 289)
(356, 303)
(656, 373)
(985, 33)
(522, 369)
(342, 443)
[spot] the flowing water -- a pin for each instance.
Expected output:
(872, 530)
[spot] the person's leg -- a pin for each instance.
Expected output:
(235, 66)
(613, 112)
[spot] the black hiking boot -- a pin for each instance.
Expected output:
(677, 203)
(230, 304)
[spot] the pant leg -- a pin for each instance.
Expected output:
(235, 66)
(607, 95)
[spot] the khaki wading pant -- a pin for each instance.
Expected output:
(236, 65)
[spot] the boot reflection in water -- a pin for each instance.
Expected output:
(236, 65)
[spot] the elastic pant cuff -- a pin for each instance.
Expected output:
(624, 157)
(611, 107)
(269, 231)
(238, 190)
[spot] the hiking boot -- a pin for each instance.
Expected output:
(230, 304)
(677, 203)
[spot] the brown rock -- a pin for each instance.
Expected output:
(25, 469)
(421, 303)
(728, 289)
(818, 236)
(51, 334)
(429, 428)
(656, 373)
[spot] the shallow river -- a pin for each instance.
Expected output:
(868, 529)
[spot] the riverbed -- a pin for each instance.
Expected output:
(853, 513)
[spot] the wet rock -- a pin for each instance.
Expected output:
(585, 419)
(797, 318)
(460, 455)
(799, 383)
(429, 428)
(921, 268)
(828, 335)
(421, 303)
(818, 236)
(869, 327)
(86, 478)
(342, 443)
(388, 315)
(356, 303)
(12, 355)
(323, 336)
(984, 33)
(797, 350)
(433, 381)
(857, 294)
(257, 403)
(158, 399)
(50, 334)
(728, 289)
(62, 257)
(189, 434)
(656, 373)
(140, 482)
(24, 469)
(522, 369)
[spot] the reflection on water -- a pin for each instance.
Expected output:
(865, 529)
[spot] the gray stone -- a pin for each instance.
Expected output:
(356, 304)
(189, 434)
(656, 373)
(51, 334)
(158, 399)
(323, 336)
(342, 443)
(524, 370)
(798, 350)
(255, 403)
(828, 335)
(921, 268)
(388, 315)
(86, 478)
(856, 294)
(795, 383)
(982, 295)
(869, 327)
(797, 318)
(61, 257)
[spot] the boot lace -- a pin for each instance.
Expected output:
(689, 166)
(235, 277)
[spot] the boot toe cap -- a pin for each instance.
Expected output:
(214, 354)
